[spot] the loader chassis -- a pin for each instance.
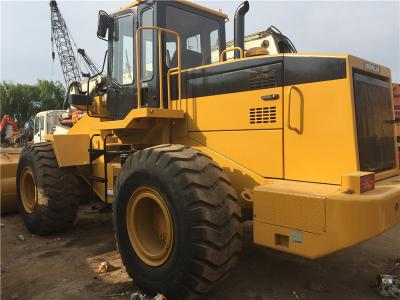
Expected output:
(192, 147)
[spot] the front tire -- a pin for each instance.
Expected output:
(185, 235)
(47, 196)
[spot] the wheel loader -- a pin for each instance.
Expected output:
(184, 146)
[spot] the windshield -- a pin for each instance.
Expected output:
(53, 119)
(199, 35)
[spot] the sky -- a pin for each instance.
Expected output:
(367, 29)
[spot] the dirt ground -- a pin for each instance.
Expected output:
(65, 266)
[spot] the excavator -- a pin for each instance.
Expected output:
(8, 126)
(11, 134)
(183, 146)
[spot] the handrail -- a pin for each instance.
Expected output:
(178, 68)
(221, 56)
(289, 125)
(170, 72)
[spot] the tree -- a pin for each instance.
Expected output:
(23, 101)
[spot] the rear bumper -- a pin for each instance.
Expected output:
(313, 220)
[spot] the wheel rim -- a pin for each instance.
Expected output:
(28, 190)
(149, 226)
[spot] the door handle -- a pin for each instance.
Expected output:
(289, 125)
(270, 97)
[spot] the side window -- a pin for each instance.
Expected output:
(42, 123)
(198, 34)
(122, 63)
(147, 66)
(214, 43)
(193, 43)
(52, 121)
(37, 125)
(171, 50)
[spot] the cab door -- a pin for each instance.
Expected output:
(121, 89)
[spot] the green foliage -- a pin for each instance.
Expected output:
(23, 101)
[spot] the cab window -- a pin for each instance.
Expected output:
(214, 42)
(52, 120)
(197, 32)
(122, 51)
(147, 66)
(41, 118)
(37, 123)
(193, 43)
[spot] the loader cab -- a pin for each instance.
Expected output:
(202, 38)
(47, 122)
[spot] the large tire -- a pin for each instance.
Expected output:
(47, 196)
(206, 220)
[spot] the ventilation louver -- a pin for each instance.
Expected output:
(263, 115)
(261, 80)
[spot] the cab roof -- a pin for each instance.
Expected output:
(184, 2)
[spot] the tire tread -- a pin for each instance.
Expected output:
(59, 185)
(214, 216)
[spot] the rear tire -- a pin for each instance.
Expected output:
(47, 196)
(196, 198)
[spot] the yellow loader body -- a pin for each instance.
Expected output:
(314, 220)
(292, 161)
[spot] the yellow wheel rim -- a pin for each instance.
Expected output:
(28, 190)
(149, 226)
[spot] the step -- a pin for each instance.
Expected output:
(116, 146)
(97, 178)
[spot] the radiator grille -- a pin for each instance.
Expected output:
(374, 116)
(264, 79)
(263, 115)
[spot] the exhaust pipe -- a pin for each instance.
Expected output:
(238, 40)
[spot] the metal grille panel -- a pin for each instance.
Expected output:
(375, 128)
(263, 115)
(265, 79)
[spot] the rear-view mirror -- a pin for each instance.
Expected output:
(103, 24)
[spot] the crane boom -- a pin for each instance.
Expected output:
(90, 64)
(59, 34)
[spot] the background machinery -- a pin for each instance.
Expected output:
(184, 146)
(11, 135)
(12, 141)
(48, 122)
(45, 122)
(61, 37)
(8, 129)
(71, 69)
(271, 39)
